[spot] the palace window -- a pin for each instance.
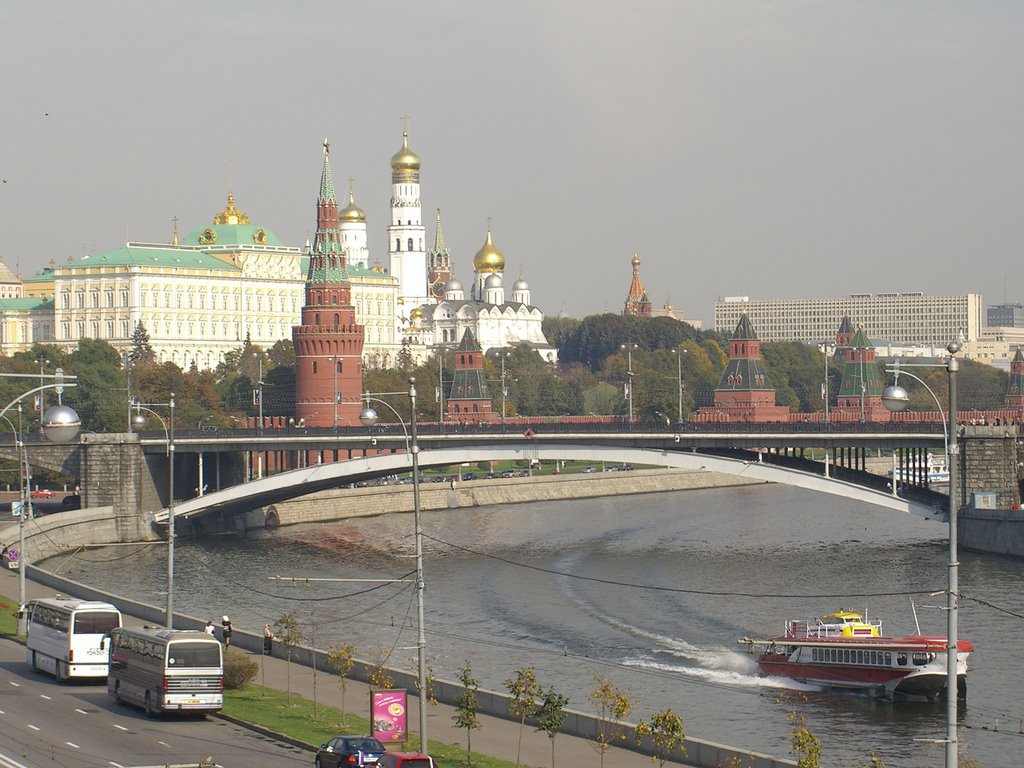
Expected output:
(110, 329)
(398, 244)
(110, 298)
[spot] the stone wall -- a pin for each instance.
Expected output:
(361, 502)
(990, 462)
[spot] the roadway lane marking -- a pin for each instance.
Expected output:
(116, 765)
(120, 727)
(44, 696)
(72, 744)
(164, 743)
(34, 727)
(16, 685)
(82, 711)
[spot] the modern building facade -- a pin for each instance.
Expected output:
(901, 318)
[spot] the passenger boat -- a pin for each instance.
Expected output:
(934, 469)
(845, 650)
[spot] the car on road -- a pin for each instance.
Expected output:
(343, 751)
(43, 493)
(406, 760)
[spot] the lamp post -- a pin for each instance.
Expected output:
(169, 434)
(334, 364)
(259, 384)
(368, 417)
(824, 385)
(629, 377)
(60, 424)
(679, 366)
(42, 362)
(440, 385)
(504, 388)
(895, 399)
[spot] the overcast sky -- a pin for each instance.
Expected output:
(765, 148)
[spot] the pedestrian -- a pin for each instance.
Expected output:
(268, 639)
(208, 629)
(225, 628)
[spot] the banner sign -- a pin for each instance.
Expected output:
(388, 715)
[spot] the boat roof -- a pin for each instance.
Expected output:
(909, 643)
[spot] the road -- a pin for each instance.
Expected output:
(43, 723)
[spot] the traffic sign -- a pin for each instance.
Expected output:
(13, 555)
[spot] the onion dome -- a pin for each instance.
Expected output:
(492, 281)
(405, 159)
(453, 285)
(520, 285)
(351, 212)
(489, 258)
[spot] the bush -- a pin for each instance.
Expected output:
(239, 669)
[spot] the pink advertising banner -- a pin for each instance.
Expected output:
(388, 715)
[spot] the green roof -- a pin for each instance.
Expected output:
(338, 274)
(26, 304)
(131, 256)
(231, 234)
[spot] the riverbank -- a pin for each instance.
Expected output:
(499, 732)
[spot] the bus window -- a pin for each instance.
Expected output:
(186, 654)
(96, 622)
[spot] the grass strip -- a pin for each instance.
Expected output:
(269, 708)
(8, 618)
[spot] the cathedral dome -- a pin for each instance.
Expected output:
(489, 258)
(405, 159)
(520, 285)
(416, 314)
(452, 285)
(351, 212)
(493, 281)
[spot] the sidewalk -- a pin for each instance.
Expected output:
(496, 737)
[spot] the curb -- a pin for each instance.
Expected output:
(266, 732)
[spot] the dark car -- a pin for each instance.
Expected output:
(343, 751)
(406, 760)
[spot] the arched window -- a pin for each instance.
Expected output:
(314, 367)
(316, 319)
(462, 359)
(398, 243)
(338, 366)
(475, 408)
(337, 320)
(470, 359)
(410, 244)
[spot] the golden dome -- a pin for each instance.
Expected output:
(416, 314)
(231, 215)
(489, 258)
(351, 212)
(405, 159)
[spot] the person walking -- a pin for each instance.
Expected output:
(208, 629)
(268, 640)
(225, 629)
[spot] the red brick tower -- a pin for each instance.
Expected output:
(469, 399)
(329, 342)
(637, 302)
(1015, 387)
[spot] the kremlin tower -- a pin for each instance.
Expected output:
(406, 233)
(329, 342)
(440, 263)
(469, 399)
(637, 302)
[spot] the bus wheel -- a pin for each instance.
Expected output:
(117, 692)
(61, 672)
(35, 666)
(148, 706)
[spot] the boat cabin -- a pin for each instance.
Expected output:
(838, 624)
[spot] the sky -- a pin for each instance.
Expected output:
(761, 148)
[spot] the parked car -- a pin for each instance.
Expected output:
(71, 501)
(343, 751)
(406, 760)
(43, 493)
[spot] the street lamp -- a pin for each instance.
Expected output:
(42, 362)
(679, 365)
(895, 399)
(60, 424)
(368, 417)
(334, 364)
(629, 376)
(504, 388)
(259, 383)
(824, 387)
(169, 434)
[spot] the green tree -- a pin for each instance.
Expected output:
(341, 659)
(665, 729)
(466, 707)
(101, 397)
(804, 743)
(550, 716)
(289, 632)
(282, 354)
(524, 690)
(380, 677)
(141, 353)
(612, 705)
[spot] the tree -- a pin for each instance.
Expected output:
(665, 730)
(340, 659)
(466, 707)
(550, 715)
(101, 394)
(805, 744)
(379, 676)
(525, 690)
(612, 705)
(141, 352)
(288, 631)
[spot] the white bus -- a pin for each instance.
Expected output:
(166, 670)
(65, 636)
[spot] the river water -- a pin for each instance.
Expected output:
(650, 591)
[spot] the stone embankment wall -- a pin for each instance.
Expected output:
(361, 502)
(50, 535)
(703, 754)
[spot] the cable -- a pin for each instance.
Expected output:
(678, 590)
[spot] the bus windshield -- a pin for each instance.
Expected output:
(191, 654)
(96, 622)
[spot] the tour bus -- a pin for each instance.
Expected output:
(65, 637)
(166, 670)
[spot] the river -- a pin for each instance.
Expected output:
(649, 591)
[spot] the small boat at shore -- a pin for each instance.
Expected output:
(844, 650)
(934, 470)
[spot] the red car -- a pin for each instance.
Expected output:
(43, 493)
(406, 760)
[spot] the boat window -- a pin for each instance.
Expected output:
(888, 658)
(860, 657)
(901, 658)
(834, 654)
(874, 657)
